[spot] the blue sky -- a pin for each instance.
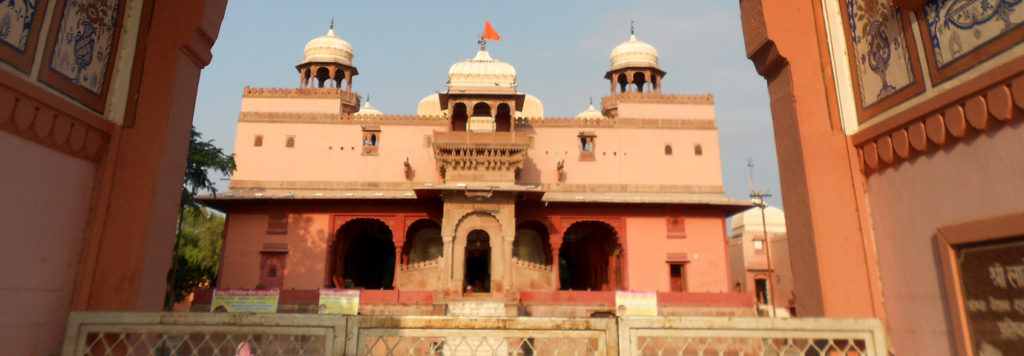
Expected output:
(560, 49)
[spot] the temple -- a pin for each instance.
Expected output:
(478, 196)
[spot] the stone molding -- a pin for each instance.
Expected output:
(417, 120)
(658, 98)
(987, 110)
(261, 185)
(330, 93)
(346, 119)
(84, 135)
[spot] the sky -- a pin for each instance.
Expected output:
(560, 50)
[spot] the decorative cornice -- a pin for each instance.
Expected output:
(345, 119)
(331, 93)
(659, 98)
(635, 188)
(84, 136)
(986, 110)
(417, 120)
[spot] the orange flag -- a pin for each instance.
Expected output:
(490, 33)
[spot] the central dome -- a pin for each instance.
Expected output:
(328, 48)
(480, 71)
(634, 53)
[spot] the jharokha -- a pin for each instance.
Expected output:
(479, 197)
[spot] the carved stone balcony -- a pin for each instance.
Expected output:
(480, 156)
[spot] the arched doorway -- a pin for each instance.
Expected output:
(478, 262)
(590, 257)
(363, 255)
(459, 117)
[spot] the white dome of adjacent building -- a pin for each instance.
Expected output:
(481, 71)
(367, 110)
(774, 219)
(328, 48)
(634, 53)
(532, 107)
(429, 106)
(591, 113)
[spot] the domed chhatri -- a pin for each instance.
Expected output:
(327, 61)
(367, 110)
(634, 53)
(328, 48)
(591, 113)
(482, 71)
(634, 66)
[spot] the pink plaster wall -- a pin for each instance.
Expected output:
(317, 105)
(979, 178)
(307, 245)
(45, 199)
(630, 110)
(704, 245)
(332, 152)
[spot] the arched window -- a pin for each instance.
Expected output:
(668, 150)
(697, 150)
(623, 82)
(459, 117)
(481, 109)
(639, 79)
(424, 244)
(531, 243)
(503, 121)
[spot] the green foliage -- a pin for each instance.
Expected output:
(199, 246)
(203, 156)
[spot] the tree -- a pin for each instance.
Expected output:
(196, 253)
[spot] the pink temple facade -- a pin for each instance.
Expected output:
(478, 196)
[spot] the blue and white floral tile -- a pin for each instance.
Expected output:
(85, 42)
(16, 18)
(957, 27)
(881, 57)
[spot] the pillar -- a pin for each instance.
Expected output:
(348, 80)
(398, 264)
(557, 270)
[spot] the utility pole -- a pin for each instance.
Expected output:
(760, 196)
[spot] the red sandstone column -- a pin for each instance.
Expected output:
(834, 267)
(557, 272)
(398, 265)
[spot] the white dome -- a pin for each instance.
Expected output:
(367, 110)
(482, 71)
(750, 219)
(328, 48)
(591, 113)
(429, 106)
(634, 53)
(532, 107)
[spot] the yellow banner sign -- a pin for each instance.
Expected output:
(339, 301)
(636, 303)
(245, 300)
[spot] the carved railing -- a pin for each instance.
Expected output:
(135, 333)
(420, 265)
(611, 100)
(534, 266)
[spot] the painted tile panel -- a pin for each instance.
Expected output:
(957, 27)
(85, 41)
(880, 53)
(16, 17)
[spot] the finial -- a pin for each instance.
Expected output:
(332, 23)
(367, 98)
(591, 100)
(632, 28)
(483, 43)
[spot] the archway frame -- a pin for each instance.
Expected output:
(491, 224)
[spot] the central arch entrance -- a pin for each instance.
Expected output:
(364, 255)
(478, 262)
(590, 257)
